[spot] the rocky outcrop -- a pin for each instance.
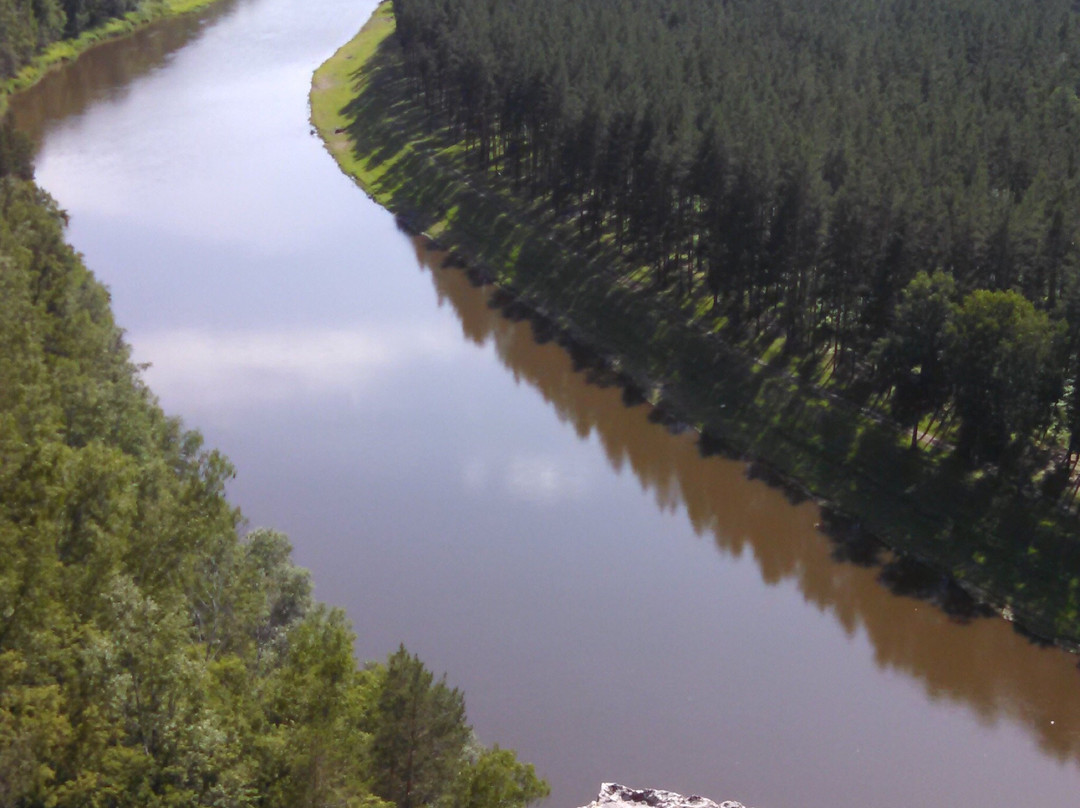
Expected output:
(612, 795)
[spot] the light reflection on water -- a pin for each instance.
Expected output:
(205, 369)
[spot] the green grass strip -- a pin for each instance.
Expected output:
(67, 50)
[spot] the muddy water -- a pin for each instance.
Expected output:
(615, 605)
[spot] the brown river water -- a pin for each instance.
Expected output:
(614, 605)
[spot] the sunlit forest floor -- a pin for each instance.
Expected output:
(747, 396)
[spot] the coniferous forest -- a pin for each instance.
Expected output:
(885, 190)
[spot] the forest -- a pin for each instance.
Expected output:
(29, 26)
(881, 193)
(150, 654)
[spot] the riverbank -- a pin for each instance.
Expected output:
(1014, 551)
(67, 50)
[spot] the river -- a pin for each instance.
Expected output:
(614, 605)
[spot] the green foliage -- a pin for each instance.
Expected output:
(1005, 369)
(33, 730)
(16, 151)
(422, 748)
(911, 357)
(318, 750)
(419, 734)
(498, 780)
(83, 14)
(26, 27)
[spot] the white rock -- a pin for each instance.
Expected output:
(613, 795)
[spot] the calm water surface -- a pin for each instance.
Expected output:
(614, 606)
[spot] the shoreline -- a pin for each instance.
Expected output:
(931, 510)
(64, 51)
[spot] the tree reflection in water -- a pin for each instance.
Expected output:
(954, 648)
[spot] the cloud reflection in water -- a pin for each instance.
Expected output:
(540, 479)
(222, 369)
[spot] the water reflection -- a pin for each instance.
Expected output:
(981, 664)
(234, 370)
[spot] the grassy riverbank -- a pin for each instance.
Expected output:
(59, 53)
(1015, 551)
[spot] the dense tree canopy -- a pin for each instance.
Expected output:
(28, 26)
(424, 754)
(800, 164)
